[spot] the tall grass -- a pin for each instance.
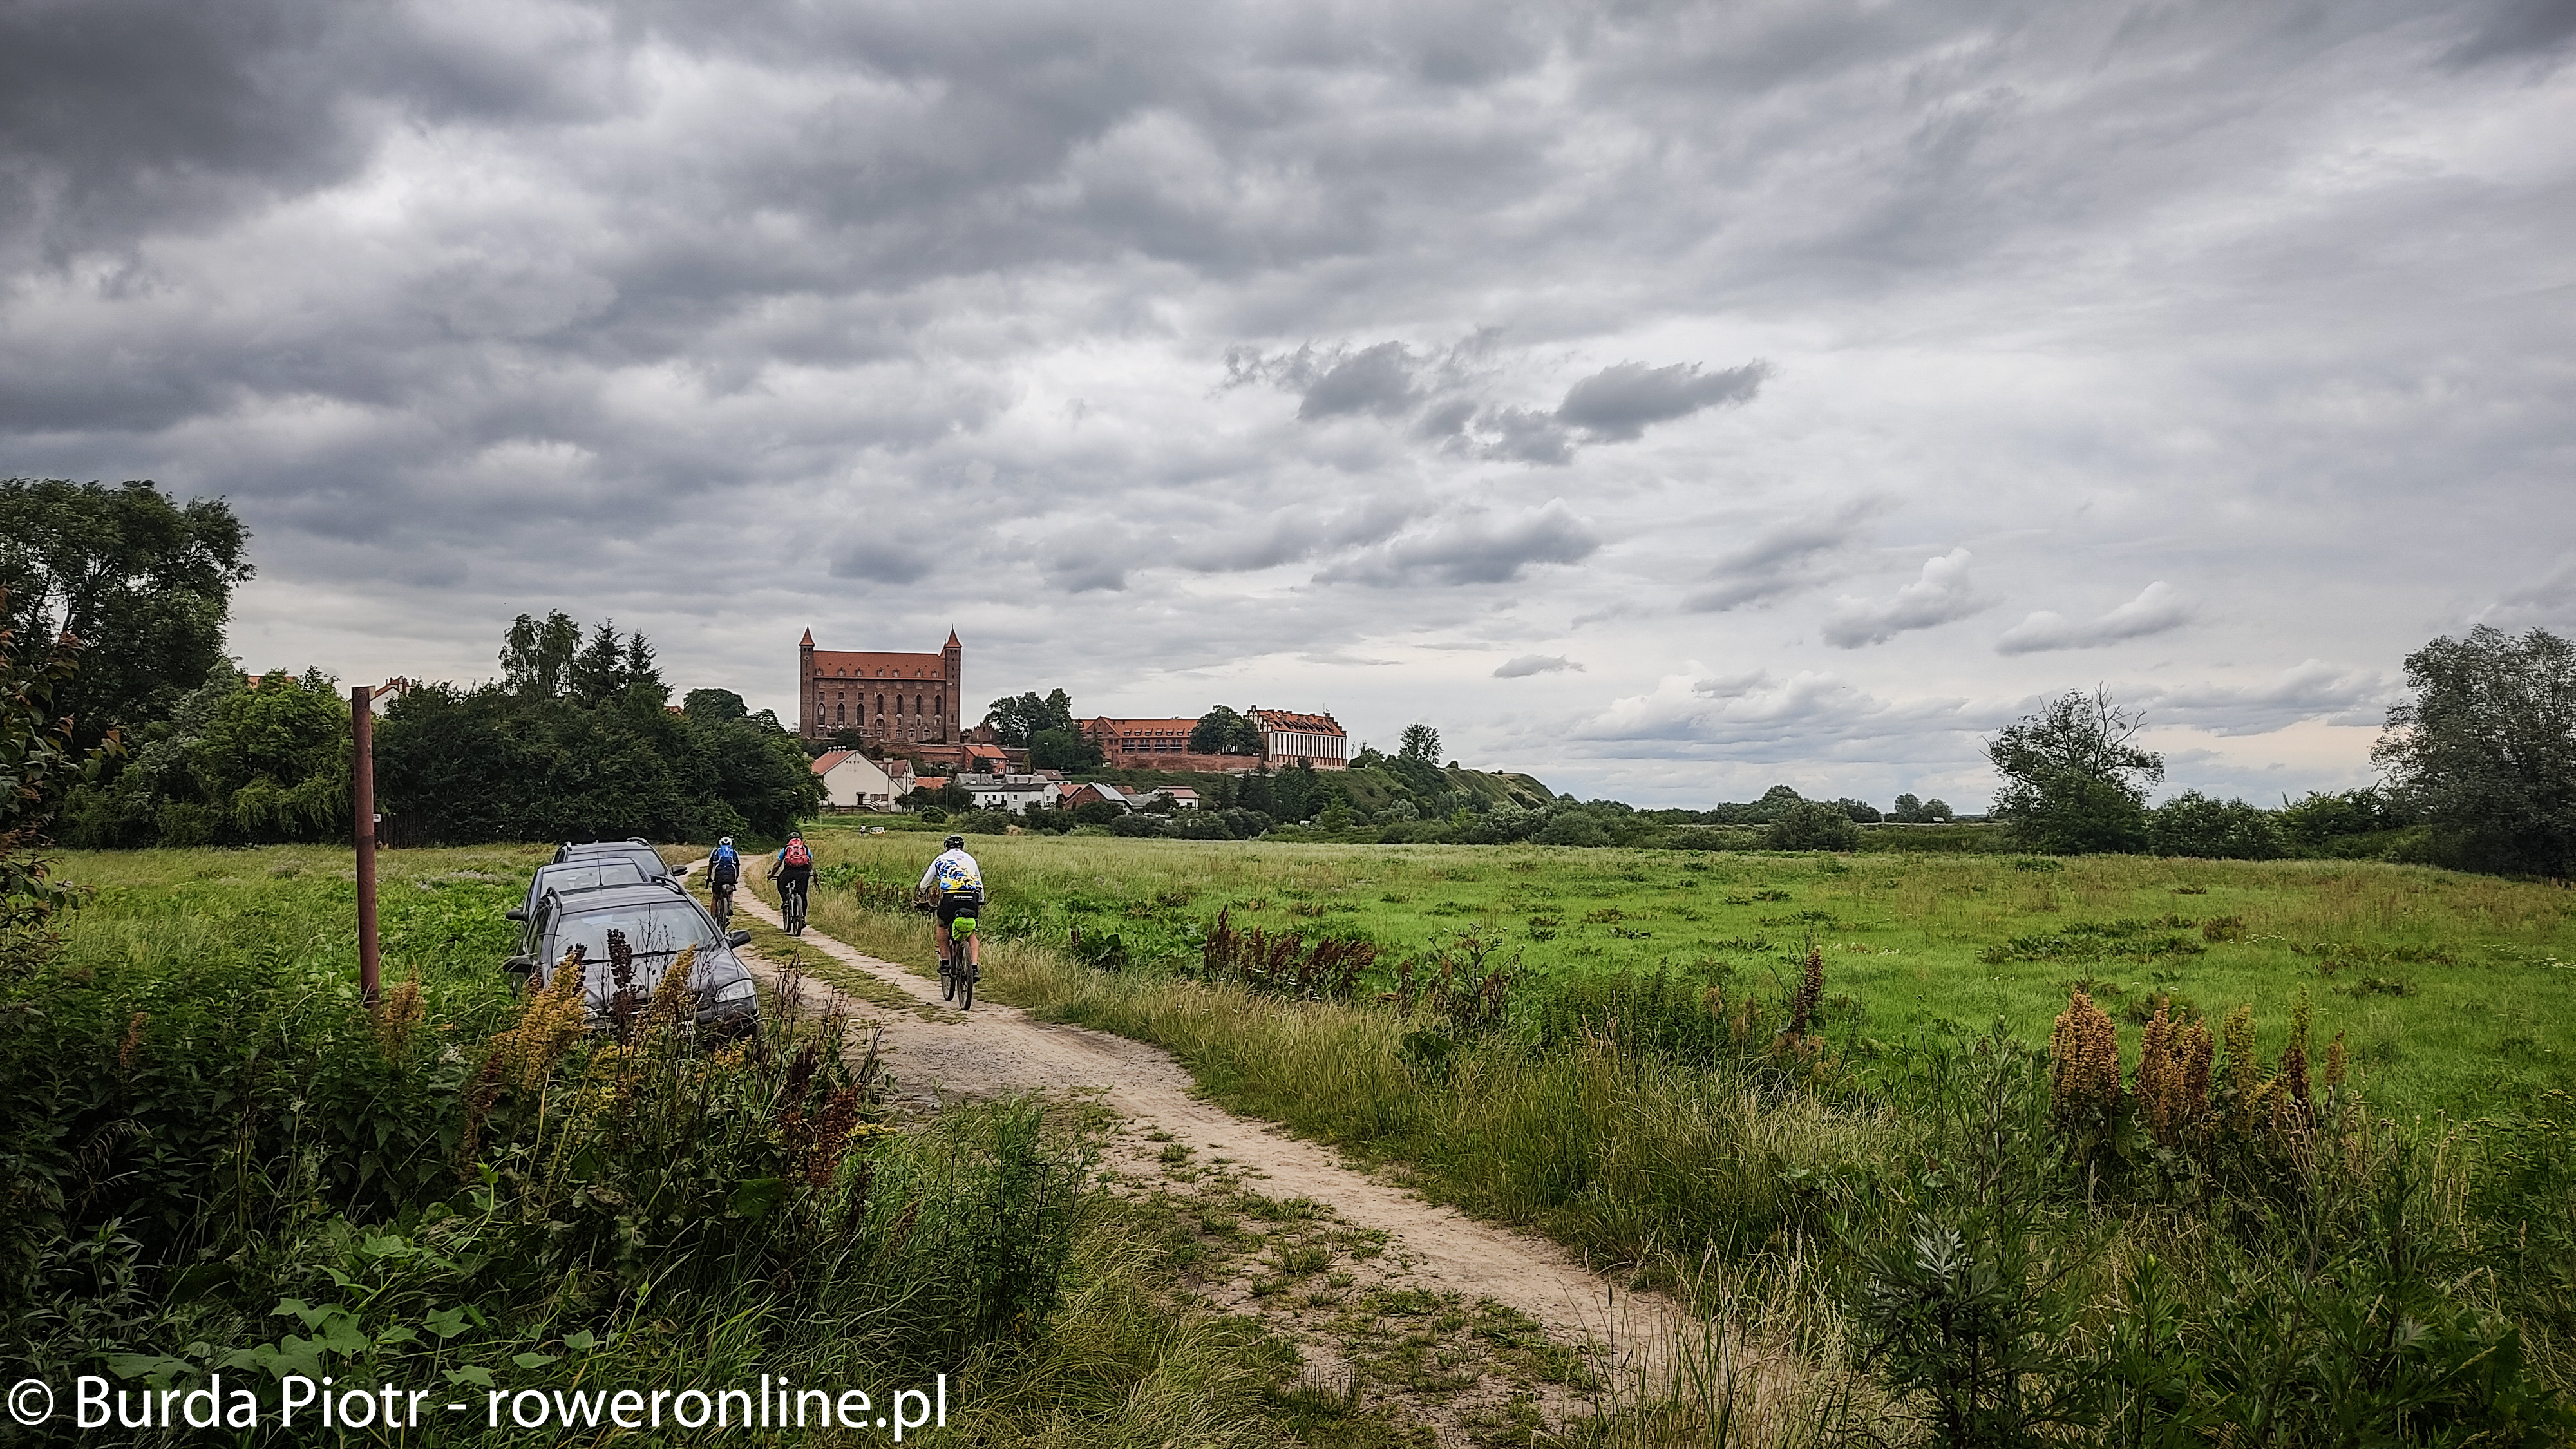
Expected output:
(1856, 1239)
(214, 1158)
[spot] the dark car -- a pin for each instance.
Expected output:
(658, 922)
(641, 852)
(580, 873)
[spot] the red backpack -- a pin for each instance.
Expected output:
(797, 854)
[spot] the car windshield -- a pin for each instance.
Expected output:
(651, 928)
(590, 875)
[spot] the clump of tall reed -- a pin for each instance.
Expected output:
(1284, 963)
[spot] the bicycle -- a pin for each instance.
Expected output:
(955, 984)
(720, 900)
(791, 908)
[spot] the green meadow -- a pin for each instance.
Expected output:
(2454, 993)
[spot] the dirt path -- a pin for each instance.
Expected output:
(1000, 1050)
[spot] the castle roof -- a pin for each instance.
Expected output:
(808, 641)
(866, 664)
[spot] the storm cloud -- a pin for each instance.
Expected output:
(1325, 356)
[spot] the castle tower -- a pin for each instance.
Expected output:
(952, 664)
(809, 714)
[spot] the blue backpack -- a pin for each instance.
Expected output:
(725, 866)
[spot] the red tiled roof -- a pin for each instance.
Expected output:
(862, 664)
(824, 762)
(1289, 719)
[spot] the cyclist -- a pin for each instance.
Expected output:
(723, 869)
(794, 872)
(959, 884)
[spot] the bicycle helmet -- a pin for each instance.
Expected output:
(724, 840)
(954, 842)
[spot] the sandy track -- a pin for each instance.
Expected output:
(1000, 1050)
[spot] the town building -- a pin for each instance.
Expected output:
(1099, 792)
(892, 700)
(1137, 740)
(852, 781)
(1288, 736)
(1016, 793)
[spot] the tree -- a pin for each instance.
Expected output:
(144, 583)
(1419, 742)
(1064, 749)
(1912, 811)
(1221, 731)
(40, 764)
(1019, 719)
(2193, 824)
(575, 741)
(2073, 781)
(714, 706)
(2486, 749)
(1813, 825)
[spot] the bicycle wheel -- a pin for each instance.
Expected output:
(966, 987)
(947, 980)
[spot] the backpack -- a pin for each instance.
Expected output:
(797, 855)
(726, 867)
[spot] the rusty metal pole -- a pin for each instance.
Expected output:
(362, 787)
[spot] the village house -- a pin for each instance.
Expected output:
(1099, 792)
(1014, 793)
(852, 781)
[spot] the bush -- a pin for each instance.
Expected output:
(2193, 824)
(1811, 825)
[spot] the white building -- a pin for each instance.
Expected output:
(852, 781)
(1014, 794)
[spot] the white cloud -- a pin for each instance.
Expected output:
(1473, 548)
(2156, 610)
(1938, 595)
(1525, 665)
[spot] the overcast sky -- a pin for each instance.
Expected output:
(1670, 400)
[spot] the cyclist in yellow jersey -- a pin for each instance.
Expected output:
(957, 882)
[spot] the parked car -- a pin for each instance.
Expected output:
(580, 873)
(658, 921)
(639, 851)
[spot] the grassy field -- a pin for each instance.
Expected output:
(2455, 993)
(201, 1133)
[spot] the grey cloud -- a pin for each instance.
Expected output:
(1523, 666)
(1779, 561)
(1617, 403)
(1938, 595)
(1375, 380)
(1291, 534)
(2515, 30)
(1477, 548)
(2311, 689)
(883, 559)
(2550, 603)
(2156, 610)
(1808, 715)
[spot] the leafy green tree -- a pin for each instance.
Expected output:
(575, 741)
(238, 762)
(1064, 749)
(144, 583)
(2486, 749)
(1419, 742)
(1813, 825)
(41, 763)
(1017, 720)
(2321, 819)
(2193, 824)
(2074, 783)
(1222, 731)
(1913, 811)
(714, 706)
